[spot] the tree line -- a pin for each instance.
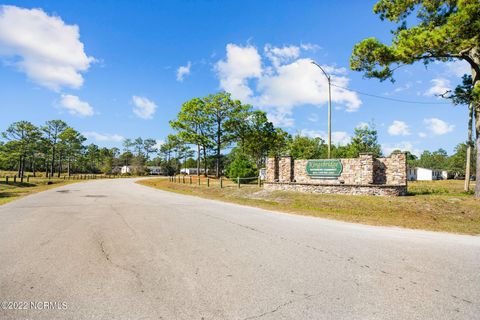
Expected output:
(439, 159)
(215, 134)
(56, 148)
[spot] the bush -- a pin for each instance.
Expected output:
(241, 167)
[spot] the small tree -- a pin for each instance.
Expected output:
(433, 160)
(365, 140)
(149, 147)
(71, 142)
(193, 124)
(257, 136)
(24, 137)
(241, 167)
(456, 162)
(223, 113)
(301, 147)
(52, 130)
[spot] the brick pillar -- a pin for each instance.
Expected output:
(366, 168)
(271, 169)
(285, 169)
(397, 172)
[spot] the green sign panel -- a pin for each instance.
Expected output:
(324, 168)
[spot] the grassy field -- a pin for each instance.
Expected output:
(432, 205)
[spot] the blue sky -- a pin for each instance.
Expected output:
(115, 69)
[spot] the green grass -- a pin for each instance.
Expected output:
(445, 187)
(13, 191)
(432, 205)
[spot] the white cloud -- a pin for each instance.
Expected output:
(398, 128)
(241, 64)
(143, 107)
(338, 137)
(437, 126)
(46, 49)
(439, 86)
(309, 47)
(422, 134)
(103, 137)
(75, 106)
(458, 67)
(280, 118)
(341, 138)
(281, 55)
(312, 133)
(183, 71)
(387, 149)
(299, 83)
(289, 82)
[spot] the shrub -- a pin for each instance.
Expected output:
(241, 167)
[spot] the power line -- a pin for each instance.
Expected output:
(391, 99)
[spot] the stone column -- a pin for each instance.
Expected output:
(366, 168)
(285, 169)
(271, 169)
(397, 169)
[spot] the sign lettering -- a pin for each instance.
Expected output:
(324, 168)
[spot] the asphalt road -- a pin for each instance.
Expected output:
(113, 249)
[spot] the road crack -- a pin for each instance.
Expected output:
(278, 307)
(132, 271)
(236, 224)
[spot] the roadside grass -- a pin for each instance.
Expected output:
(432, 205)
(13, 191)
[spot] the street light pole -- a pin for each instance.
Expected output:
(329, 108)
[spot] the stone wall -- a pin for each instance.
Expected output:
(391, 170)
(363, 175)
(372, 190)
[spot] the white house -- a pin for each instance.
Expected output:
(192, 171)
(425, 174)
(125, 170)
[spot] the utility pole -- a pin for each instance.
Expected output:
(329, 139)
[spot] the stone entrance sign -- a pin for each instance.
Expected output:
(363, 175)
(324, 168)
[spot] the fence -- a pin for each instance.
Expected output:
(26, 179)
(221, 182)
